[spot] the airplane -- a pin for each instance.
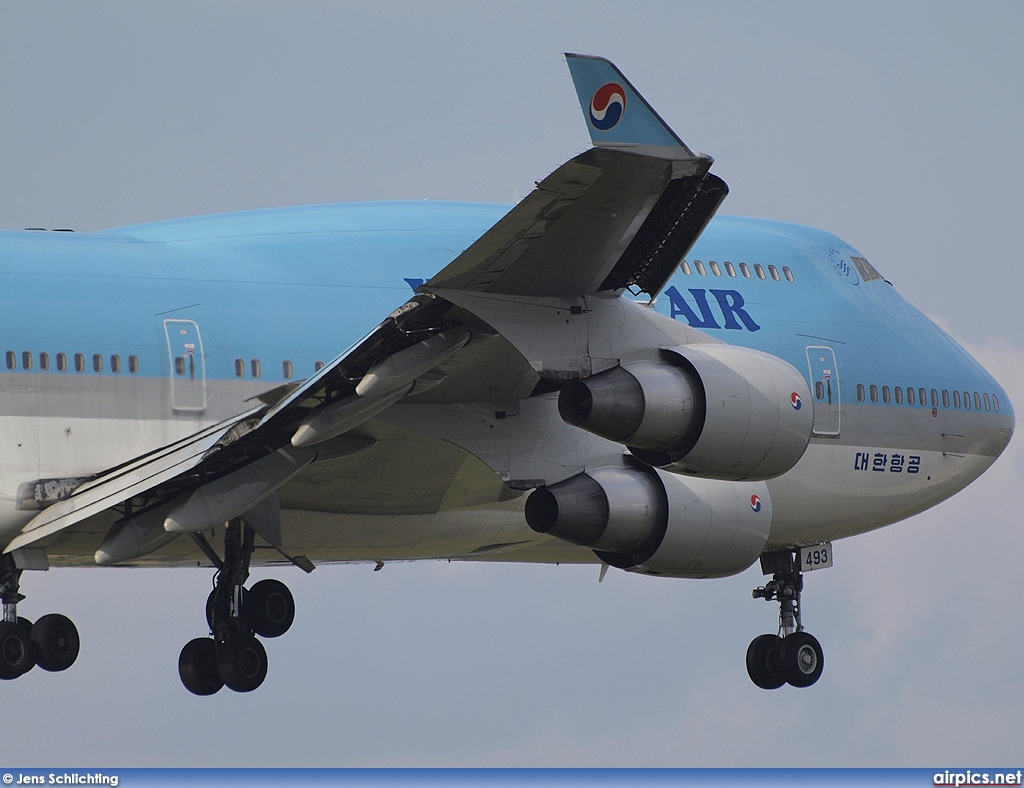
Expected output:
(606, 372)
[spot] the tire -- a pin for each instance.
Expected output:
(763, 664)
(55, 642)
(801, 659)
(197, 667)
(15, 650)
(242, 663)
(269, 608)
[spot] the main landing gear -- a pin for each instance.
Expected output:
(793, 656)
(51, 643)
(233, 657)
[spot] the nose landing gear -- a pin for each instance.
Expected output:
(233, 657)
(793, 656)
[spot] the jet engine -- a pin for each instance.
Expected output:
(648, 521)
(715, 411)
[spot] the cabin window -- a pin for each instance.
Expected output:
(685, 266)
(874, 393)
(318, 366)
(945, 398)
(988, 403)
(885, 395)
(715, 269)
(115, 363)
(977, 401)
(774, 273)
(967, 400)
(44, 360)
(995, 402)
(910, 395)
(133, 364)
(26, 360)
(730, 269)
(239, 368)
(860, 392)
(956, 399)
(788, 273)
(256, 368)
(62, 362)
(12, 359)
(759, 271)
(700, 267)
(287, 368)
(79, 362)
(899, 395)
(97, 362)
(745, 270)
(935, 398)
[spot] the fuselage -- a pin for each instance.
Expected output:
(116, 343)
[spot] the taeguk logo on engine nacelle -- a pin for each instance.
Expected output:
(608, 106)
(755, 503)
(795, 399)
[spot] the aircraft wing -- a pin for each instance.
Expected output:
(621, 215)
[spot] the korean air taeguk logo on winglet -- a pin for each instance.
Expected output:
(608, 106)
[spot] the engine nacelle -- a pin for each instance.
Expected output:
(715, 411)
(645, 520)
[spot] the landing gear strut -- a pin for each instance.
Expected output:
(792, 656)
(51, 643)
(233, 657)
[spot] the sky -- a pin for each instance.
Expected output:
(897, 126)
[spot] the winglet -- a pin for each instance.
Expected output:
(617, 115)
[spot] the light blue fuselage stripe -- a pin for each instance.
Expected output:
(301, 284)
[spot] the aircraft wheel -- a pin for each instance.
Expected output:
(197, 667)
(801, 659)
(763, 665)
(242, 663)
(15, 650)
(269, 608)
(55, 642)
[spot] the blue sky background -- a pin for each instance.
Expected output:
(896, 126)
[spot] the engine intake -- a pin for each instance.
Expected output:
(652, 522)
(716, 411)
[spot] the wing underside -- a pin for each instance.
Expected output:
(617, 217)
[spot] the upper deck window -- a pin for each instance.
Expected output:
(788, 273)
(759, 271)
(730, 269)
(700, 267)
(774, 272)
(685, 266)
(745, 270)
(715, 269)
